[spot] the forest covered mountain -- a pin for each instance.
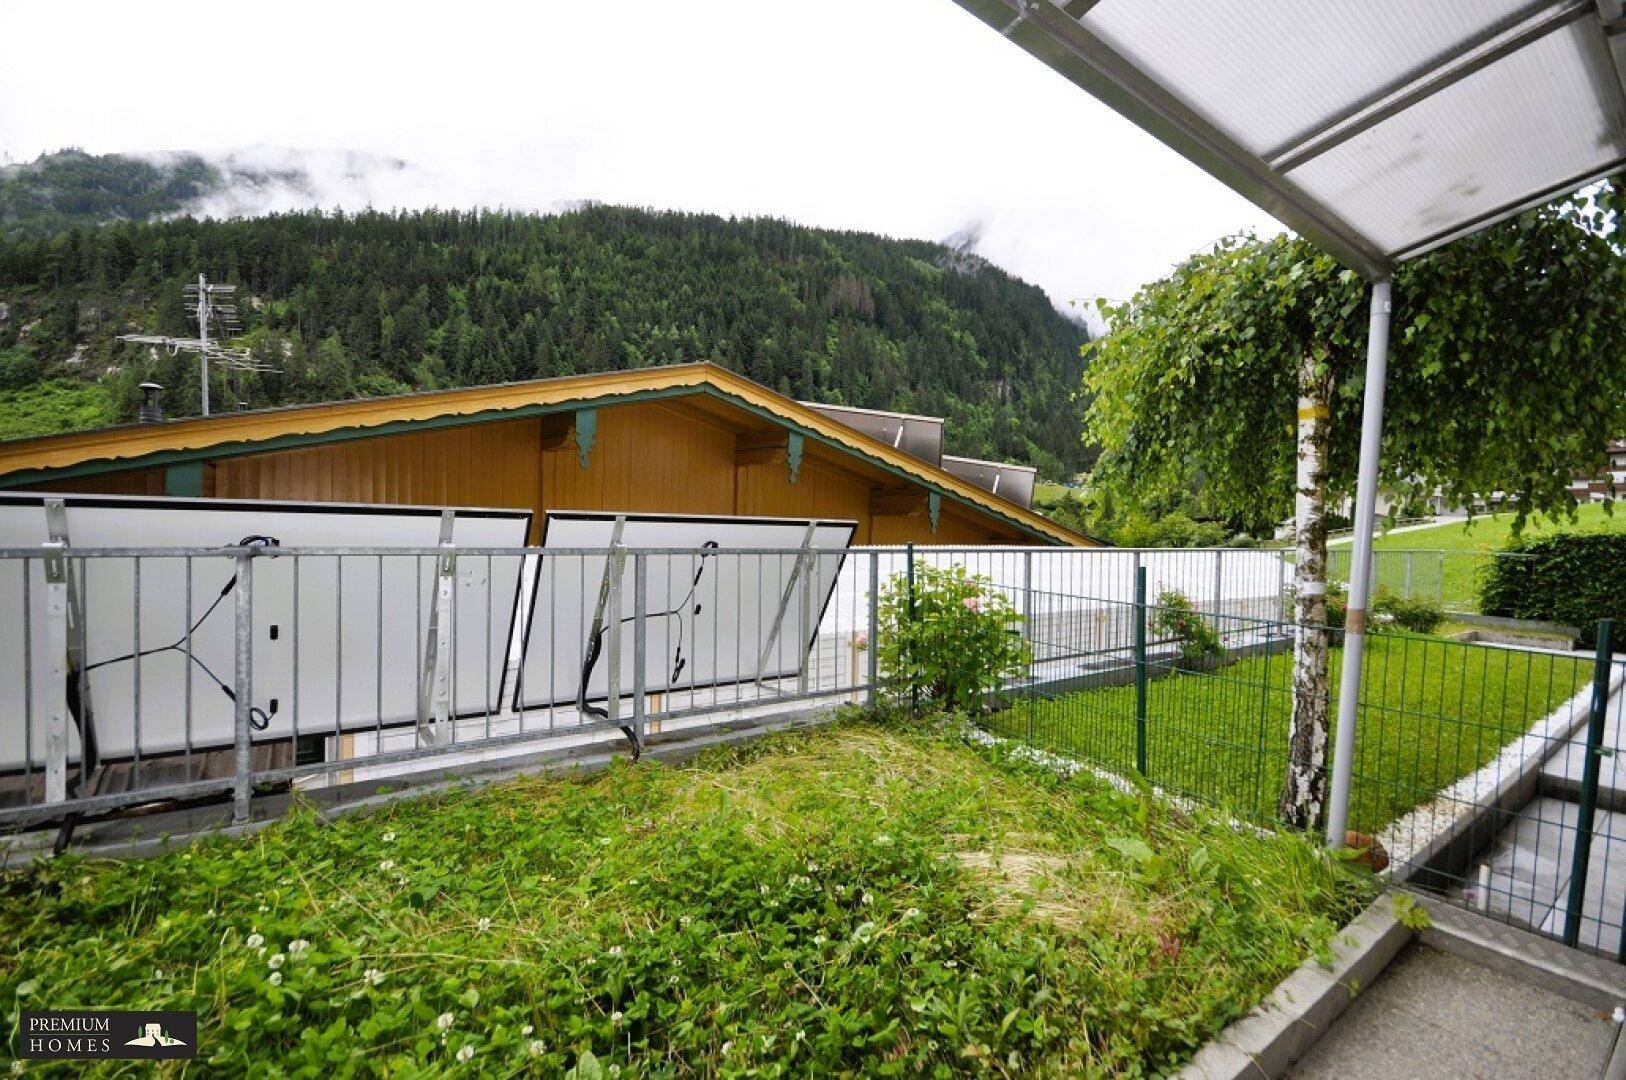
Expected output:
(376, 303)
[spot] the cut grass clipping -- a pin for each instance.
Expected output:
(857, 899)
(1431, 712)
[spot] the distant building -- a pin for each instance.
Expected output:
(688, 438)
(1611, 485)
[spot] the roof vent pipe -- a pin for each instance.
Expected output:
(152, 404)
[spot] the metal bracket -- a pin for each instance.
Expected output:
(798, 572)
(435, 678)
(607, 610)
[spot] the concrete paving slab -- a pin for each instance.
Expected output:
(1435, 1014)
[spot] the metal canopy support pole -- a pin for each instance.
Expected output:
(435, 678)
(1360, 570)
(798, 569)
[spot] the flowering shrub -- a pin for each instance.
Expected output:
(1175, 617)
(960, 640)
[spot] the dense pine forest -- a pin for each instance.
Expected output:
(375, 303)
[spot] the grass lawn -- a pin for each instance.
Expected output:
(1434, 711)
(859, 900)
(1467, 546)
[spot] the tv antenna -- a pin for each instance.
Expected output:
(215, 307)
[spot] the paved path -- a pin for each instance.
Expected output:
(1432, 1014)
(1397, 530)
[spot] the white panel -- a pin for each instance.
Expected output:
(1505, 132)
(366, 624)
(1265, 71)
(709, 619)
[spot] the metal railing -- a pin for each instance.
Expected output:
(137, 675)
(1451, 579)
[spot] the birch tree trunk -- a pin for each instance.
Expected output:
(1303, 801)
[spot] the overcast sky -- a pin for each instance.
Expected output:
(906, 117)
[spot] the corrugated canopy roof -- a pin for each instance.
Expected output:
(1378, 129)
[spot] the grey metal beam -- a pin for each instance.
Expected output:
(1062, 43)
(1468, 56)
(1490, 217)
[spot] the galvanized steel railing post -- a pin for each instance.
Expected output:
(1219, 589)
(243, 684)
(1581, 862)
(56, 687)
(909, 579)
(1140, 670)
(640, 586)
(874, 624)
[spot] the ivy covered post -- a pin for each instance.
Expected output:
(1304, 789)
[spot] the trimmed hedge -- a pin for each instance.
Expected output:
(1570, 578)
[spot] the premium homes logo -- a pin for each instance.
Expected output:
(67, 1034)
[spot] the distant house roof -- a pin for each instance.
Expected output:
(53, 457)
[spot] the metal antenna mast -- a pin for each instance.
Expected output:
(216, 308)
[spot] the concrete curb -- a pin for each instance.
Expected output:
(1280, 1029)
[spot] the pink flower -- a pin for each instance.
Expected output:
(860, 641)
(972, 603)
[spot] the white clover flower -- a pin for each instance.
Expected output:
(387, 865)
(276, 978)
(812, 867)
(819, 939)
(264, 908)
(883, 840)
(800, 1035)
(527, 1030)
(373, 976)
(389, 837)
(727, 1046)
(615, 1017)
(685, 920)
(444, 1020)
(297, 946)
(867, 899)
(951, 964)
(763, 889)
(912, 913)
(537, 1047)
(276, 961)
(615, 950)
(484, 924)
(255, 941)
(466, 1053)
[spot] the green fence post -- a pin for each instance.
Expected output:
(909, 595)
(1589, 784)
(1140, 670)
